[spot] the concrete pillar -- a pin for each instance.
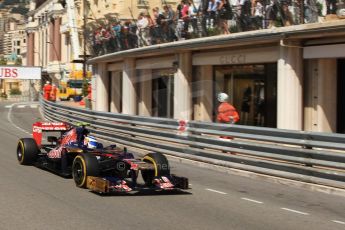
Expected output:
(46, 47)
(309, 95)
(35, 50)
(115, 103)
(57, 40)
(129, 96)
(203, 91)
(145, 86)
(51, 41)
(102, 85)
(327, 95)
(290, 85)
(64, 51)
(30, 49)
(182, 87)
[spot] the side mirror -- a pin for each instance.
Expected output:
(52, 139)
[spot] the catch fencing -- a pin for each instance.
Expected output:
(312, 157)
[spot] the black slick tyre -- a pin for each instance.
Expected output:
(27, 151)
(161, 167)
(84, 165)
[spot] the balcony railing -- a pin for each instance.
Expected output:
(152, 28)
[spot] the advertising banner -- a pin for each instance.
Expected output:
(20, 72)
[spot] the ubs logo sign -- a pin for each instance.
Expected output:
(232, 59)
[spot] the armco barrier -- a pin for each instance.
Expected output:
(317, 158)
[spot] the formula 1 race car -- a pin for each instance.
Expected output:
(73, 152)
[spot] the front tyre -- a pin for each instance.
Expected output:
(161, 167)
(27, 151)
(84, 165)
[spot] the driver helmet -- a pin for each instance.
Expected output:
(90, 142)
(222, 97)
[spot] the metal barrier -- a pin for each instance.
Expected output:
(317, 158)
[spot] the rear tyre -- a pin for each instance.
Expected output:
(161, 167)
(84, 165)
(27, 151)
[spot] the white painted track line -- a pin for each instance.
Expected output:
(21, 106)
(251, 200)
(338, 222)
(295, 211)
(212, 190)
(9, 118)
(34, 106)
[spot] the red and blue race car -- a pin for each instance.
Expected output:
(72, 152)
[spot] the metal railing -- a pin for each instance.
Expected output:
(317, 158)
(250, 16)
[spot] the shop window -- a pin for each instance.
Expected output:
(341, 96)
(247, 87)
(162, 93)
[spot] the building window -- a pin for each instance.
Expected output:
(142, 2)
(163, 93)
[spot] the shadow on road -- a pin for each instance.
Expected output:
(146, 193)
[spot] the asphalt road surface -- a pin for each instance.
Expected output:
(31, 198)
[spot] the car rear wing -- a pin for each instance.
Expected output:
(39, 127)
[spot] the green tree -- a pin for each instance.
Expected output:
(18, 61)
(3, 61)
(15, 91)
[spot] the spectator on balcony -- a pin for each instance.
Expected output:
(185, 17)
(286, 15)
(98, 42)
(258, 14)
(331, 6)
(179, 9)
(236, 6)
(143, 31)
(193, 17)
(211, 13)
(117, 35)
(132, 34)
(271, 13)
(183, 20)
(158, 21)
(170, 26)
(124, 37)
(108, 40)
(323, 7)
(225, 14)
(310, 11)
(245, 16)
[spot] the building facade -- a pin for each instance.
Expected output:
(12, 47)
(44, 38)
(56, 31)
(288, 78)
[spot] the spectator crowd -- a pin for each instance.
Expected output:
(201, 18)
